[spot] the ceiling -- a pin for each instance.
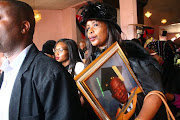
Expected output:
(52, 4)
(168, 9)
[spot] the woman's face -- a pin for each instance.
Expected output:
(61, 52)
(97, 32)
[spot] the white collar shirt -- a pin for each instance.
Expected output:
(10, 73)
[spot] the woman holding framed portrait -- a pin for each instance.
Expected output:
(101, 31)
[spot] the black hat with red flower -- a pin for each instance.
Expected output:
(99, 11)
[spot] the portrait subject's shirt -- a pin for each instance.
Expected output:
(10, 73)
(129, 107)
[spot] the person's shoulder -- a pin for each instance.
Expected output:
(46, 62)
(79, 67)
(44, 58)
(79, 64)
(131, 45)
(48, 69)
(134, 50)
(139, 55)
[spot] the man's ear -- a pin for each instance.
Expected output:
(25, 27)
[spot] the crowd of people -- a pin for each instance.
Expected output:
(166, 54)
(39, 85)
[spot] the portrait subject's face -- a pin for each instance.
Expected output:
(97, 32)
(118, 90)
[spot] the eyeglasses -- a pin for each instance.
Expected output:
(60, 50)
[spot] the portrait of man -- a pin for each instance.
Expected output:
(127, 100)
(118, 90)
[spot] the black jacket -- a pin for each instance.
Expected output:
(146, 68)
(43, 90)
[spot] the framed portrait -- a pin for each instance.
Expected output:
(109, 84)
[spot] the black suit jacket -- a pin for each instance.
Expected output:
(43, 90)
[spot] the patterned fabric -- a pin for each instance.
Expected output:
(163, 49)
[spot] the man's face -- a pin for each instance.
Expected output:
(118, 90)
(10, 29)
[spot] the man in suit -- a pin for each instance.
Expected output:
(32, 86)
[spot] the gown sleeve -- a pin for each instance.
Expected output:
(145, 67)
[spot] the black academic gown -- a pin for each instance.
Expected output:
(145, 67)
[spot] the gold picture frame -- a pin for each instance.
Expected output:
(94, 82)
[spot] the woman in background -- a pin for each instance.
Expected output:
(66, 52)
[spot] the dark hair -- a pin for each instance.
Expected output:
(48, 47)
(22, 11)
(72, 51)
